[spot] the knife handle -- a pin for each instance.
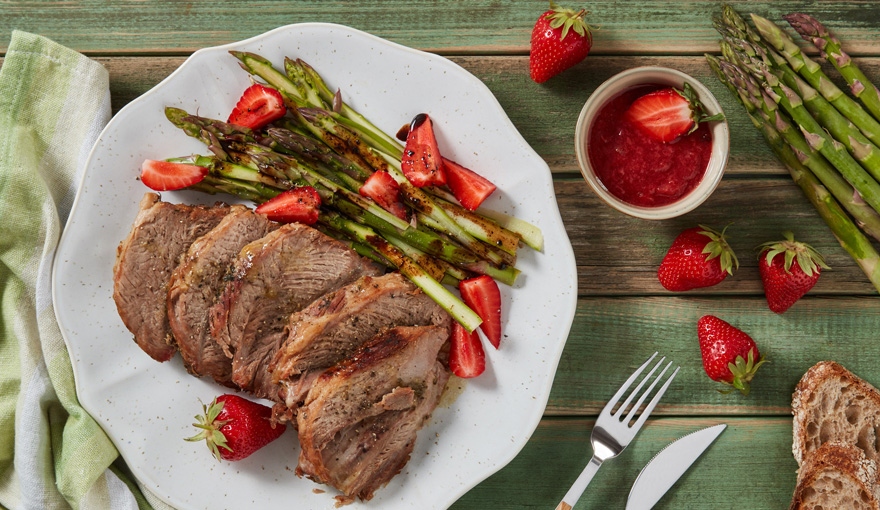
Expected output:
(574, 494)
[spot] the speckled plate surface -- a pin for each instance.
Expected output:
(147, 407)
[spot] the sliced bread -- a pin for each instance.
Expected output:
(831, 404)
(837, 476)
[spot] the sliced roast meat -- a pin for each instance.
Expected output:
(197, 283)
(273, 277)
(332, 327)
(358, 426)
(145, 259)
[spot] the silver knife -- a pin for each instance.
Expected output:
(661, 473)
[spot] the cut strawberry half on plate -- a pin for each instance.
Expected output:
(481, 294)
(466, 356)
(669, 113)
(421, 161)
(258, 106)
(300, 205)
(470, 188)
(385, 191)
(168, 176)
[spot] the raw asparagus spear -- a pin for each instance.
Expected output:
(847, 233)
(812, 72)
(818, 138)
(840, 127)
(764, 109)
(829, 47)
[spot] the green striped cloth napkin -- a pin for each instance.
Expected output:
(53, 104)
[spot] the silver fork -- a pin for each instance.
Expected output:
(614, 431)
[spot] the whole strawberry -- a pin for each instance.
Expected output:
(729, 354)
(560, 40)
(235, 427)
(698, 257)
(788, 269)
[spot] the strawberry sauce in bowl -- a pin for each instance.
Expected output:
(638, 174)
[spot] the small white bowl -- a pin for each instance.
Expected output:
(660, 76)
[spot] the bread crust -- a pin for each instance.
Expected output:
(828, 383)
(840, 463)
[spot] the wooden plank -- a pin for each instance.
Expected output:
(544, 114)
(750, 464)
(619, 255)
(486, 26)
(610, 337)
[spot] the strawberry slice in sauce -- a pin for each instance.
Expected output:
(421, 161)
(669, 113)
(168, 176)
(385, 191)
(466, 356)
(470, 188)
(258, 106)
(300, 205)
(481, 294)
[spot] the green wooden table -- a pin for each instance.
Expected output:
(623, 313)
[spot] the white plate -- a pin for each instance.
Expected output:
(147, 407)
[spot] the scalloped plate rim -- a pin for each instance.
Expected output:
(565, 310)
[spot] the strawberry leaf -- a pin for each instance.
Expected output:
(806, 256)
(568, 19)
(718, 247)
(744, 371)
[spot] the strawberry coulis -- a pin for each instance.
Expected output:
(638, 169)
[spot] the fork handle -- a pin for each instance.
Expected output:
(574, 494)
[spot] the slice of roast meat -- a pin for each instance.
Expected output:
(273, 277)
(197, 283)
(145, 259)
(358, 426)
(332, 327)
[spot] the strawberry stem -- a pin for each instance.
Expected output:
(744, 371)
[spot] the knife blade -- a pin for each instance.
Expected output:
(661, 472)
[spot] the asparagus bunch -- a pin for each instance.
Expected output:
(800, 160)
(824, 138)
(326, 144)
(829, 47)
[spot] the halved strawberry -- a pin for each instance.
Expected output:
(669, 113)
(421, 162)
(466, 356)
(258, 106)
(481, 294)
(168, 176)
(469, 187)
(385, 191)
(294, 205)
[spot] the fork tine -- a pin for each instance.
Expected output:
(654, 401)
(647, 392)
(626, 385)
(625, 405)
